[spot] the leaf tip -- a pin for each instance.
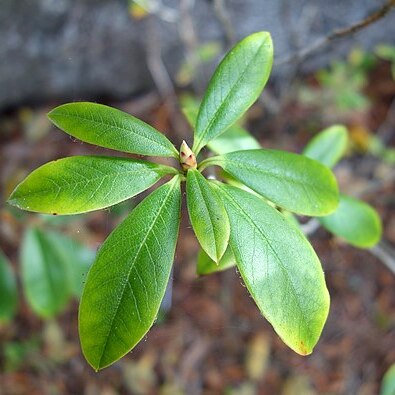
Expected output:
(52, 114)
(303, 349)
(93, 362)
(96, 366)
(266, 39)
(262, 34)
(13, 201)
(220, 253)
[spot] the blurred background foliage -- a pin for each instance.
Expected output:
(150, 58)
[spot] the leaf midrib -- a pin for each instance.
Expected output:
(115, 174)
(250, 167)
(127, 277)
(283, 269)
(209, 215)
(115, 126)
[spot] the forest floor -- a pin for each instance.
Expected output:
(213, 339)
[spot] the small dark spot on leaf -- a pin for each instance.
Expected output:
(303, 349)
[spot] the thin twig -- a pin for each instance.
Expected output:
(161, 76)
(156, 66)
(385, 253)
(191, 43)
(387, 128)
(310, 226)
(339, 33)
(375, 185)
(224, 19)
(154, 7)
(382, 251)
(270, 102)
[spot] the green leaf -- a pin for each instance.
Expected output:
(45, 276)
(111, 128)
(388, 383)
(127, 282)
(205, 265)
(8, 290)
(85, 183)
(208, 216)
(354, 221)
(328, 146)
(291, 181)
(77, 257)
(279, 267)
(236, 84)
(234, 139)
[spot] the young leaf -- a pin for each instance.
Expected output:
(45, 276)
(111, 128)
(328, 146)
(279, 267)
(291, 181)
(234, 139)
(205, 265)
(208, 216)
(354, 221)
(126, 283)
(234, 87)
(8, 290)
(84, 183)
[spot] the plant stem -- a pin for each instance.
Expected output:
(310, 226)
(207, 162)
(385, 253)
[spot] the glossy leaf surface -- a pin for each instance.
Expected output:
(8, 290)
(235, 138)
(111, 128)
(328, 146)
(84, 183)
(205, 265)
(234, 87)
(208, 216)
(45, 276)
(279, 267)
(291, 181)
(126, 283)
(355, 221)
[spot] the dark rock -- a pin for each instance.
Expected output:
(92, 49)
